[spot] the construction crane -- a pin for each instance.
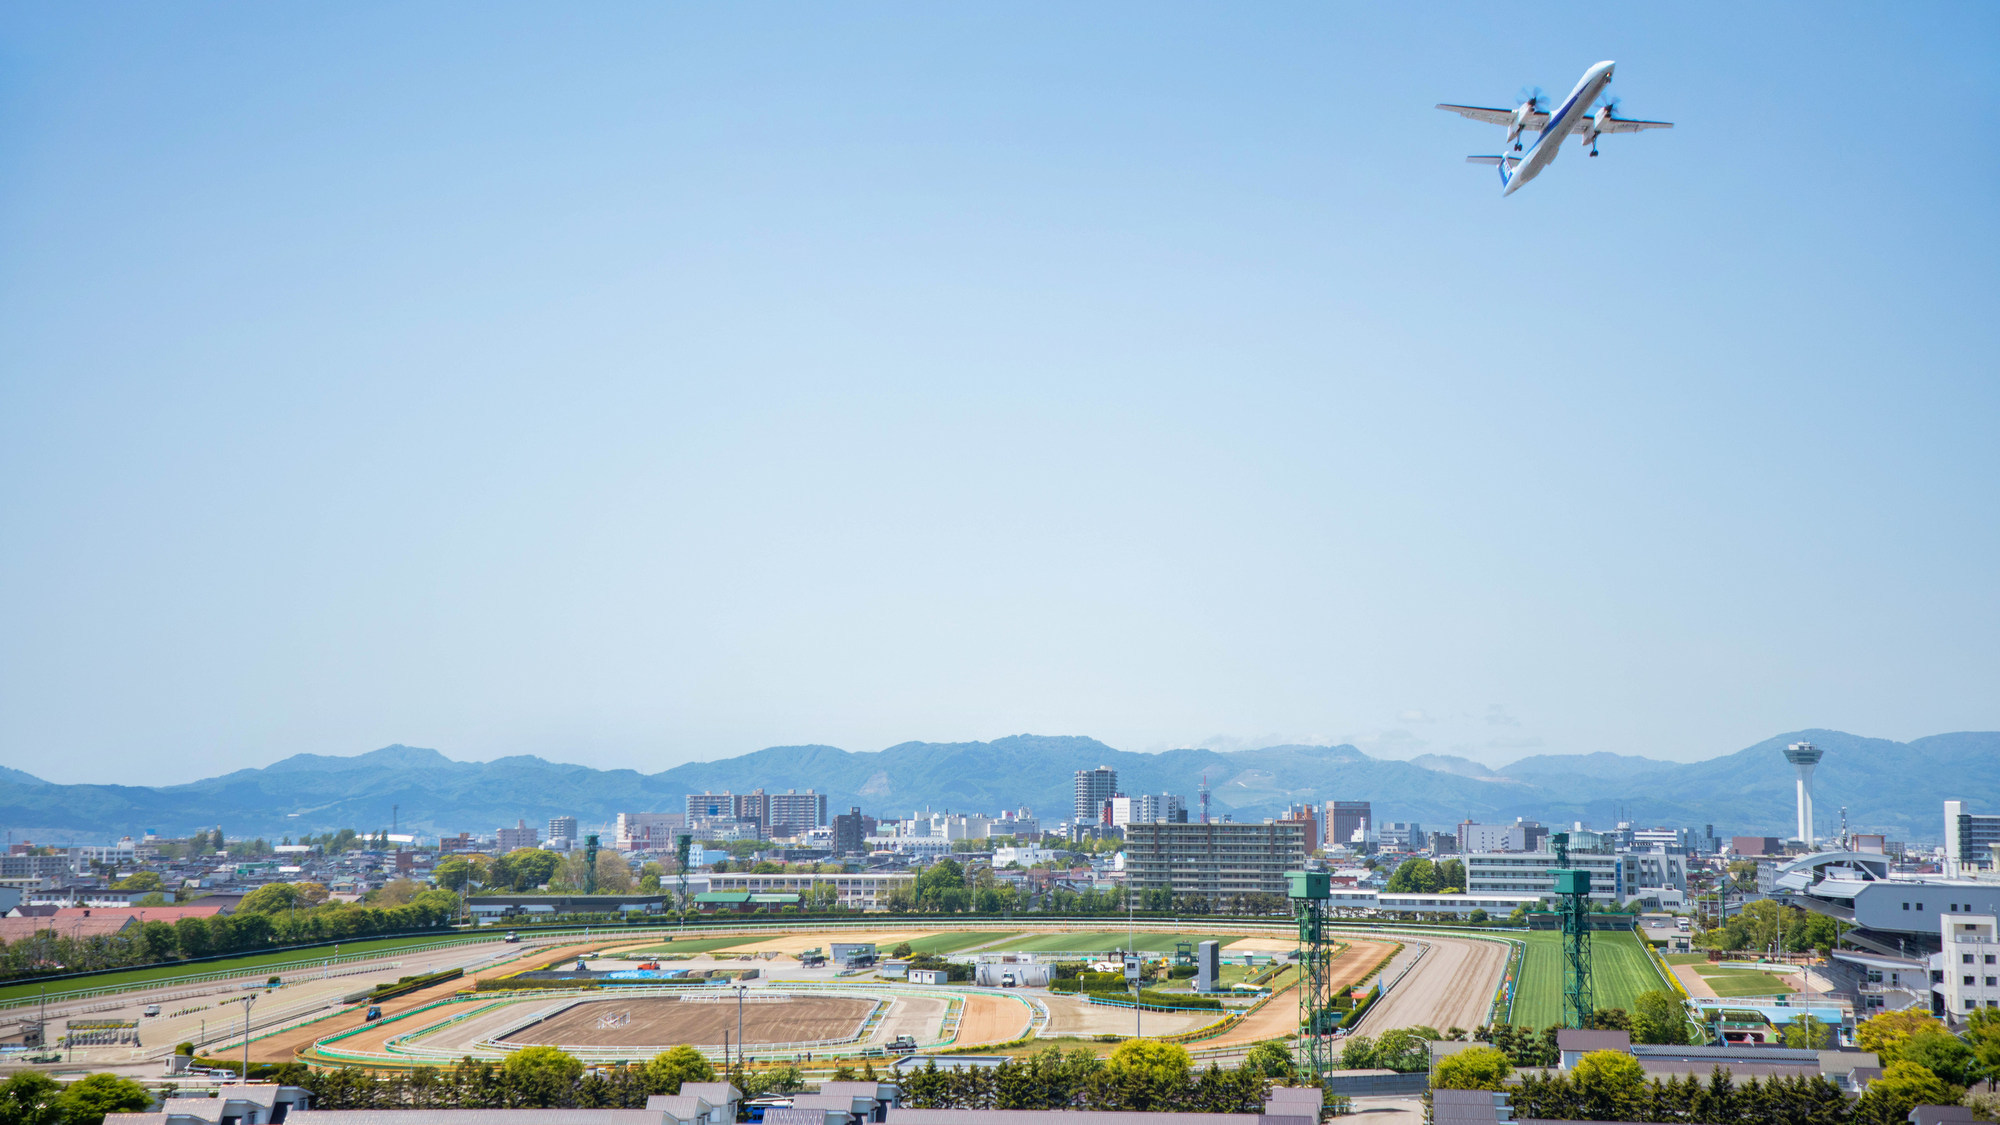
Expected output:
(1313, 1057)
(1572, 887)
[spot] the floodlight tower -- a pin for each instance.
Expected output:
(1309, 892)
(590, 864)
(683, 845)
(1804, 756)
(1572, 887)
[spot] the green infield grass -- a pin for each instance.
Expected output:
(1619, 969)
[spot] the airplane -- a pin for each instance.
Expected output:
(1573, 116)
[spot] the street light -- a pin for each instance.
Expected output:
(246, 1002)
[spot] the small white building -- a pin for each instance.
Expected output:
(1969, 965)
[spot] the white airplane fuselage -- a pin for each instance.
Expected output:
(1561, 120)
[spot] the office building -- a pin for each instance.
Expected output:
(1148, 808)
(649, 831)
(1216, 861)
(1970, 963)
(1347, 823)
(753, 807)
(1520, 836)
(519, 836)
(850, 836)
(1402, 835)
(793, 813)
(1672, 839)
(1309, 817)
(1968, 838)
(1530, 873)
(562, 828)
(1093, 789)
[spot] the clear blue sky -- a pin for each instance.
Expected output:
(633, 384)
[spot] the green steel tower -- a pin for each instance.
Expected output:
(683, 844)
(1313, 1056)
(1572, 889)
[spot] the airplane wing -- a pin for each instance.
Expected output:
(1621, 125)
(1495, 116)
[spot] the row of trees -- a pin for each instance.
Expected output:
(1924, 1064)
(1764, 925)
(33, 1098)
(1142, 1075)
(1424, 877)
(268, 918)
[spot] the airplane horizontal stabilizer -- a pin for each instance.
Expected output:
(1493, 160)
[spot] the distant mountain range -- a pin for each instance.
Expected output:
(1893, 787)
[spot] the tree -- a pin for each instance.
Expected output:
(139, 881)
(1270, 1058)
(1519, 916)
(1158, 1062)
(1808, 1034)
(271, 898)
(1478, 915)
(1475, 1068)
(525, 868)
(668, 1070)
(1358, 1053)
(1943, 1054)
(1902, 1087)
(1610, 1084)
(86, 1100)
(1451, 876)
(1659, 1018)
(901, 952)
(1886, 1033)
(30, 1098)
(453, 874)
(396, 892)
(1406, 1049)
(1982, 1030)
(1415, 876)
(542, 1076)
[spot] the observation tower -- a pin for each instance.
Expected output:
(1804, 756)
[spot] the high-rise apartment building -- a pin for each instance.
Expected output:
(562, 828)
(850, 834)
(1093, 789)
(1216, 861)
(519, 836)
(754, 807)
(793, 813)
(1348, 822)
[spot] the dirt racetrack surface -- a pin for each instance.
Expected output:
(992, 1019)
(1280, 1015)
(284, 1046)
(1452, 986)
(658, 1021)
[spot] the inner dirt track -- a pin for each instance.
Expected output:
(658, 1021)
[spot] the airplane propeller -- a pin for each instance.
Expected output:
(1609, 103)
(1535, 95)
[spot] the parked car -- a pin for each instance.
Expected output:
(512, 936)
(152, 1010)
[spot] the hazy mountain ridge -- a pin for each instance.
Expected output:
(1888, 786)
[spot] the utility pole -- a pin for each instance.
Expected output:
(244, 1078)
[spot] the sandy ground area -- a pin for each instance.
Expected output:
(1280, 1016)
(794, 945)
(992, 1019)
(1452, 986)
(1071, 1016)
(1695, 984)
(660, 1021)
(1261, 945)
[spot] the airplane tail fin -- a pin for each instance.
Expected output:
(1504, 163)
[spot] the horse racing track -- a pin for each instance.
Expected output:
(653, 1021)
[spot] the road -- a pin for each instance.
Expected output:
(1451, 985)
